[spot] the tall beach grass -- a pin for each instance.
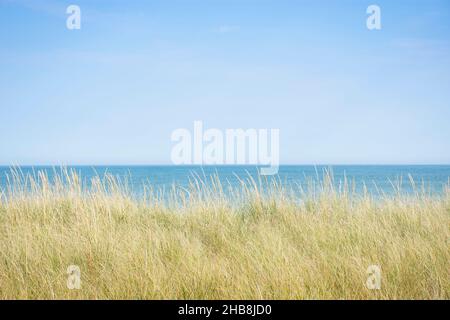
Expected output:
(213, 241)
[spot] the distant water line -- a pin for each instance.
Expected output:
(375, 180)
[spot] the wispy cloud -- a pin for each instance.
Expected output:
(422, 46)
(49, 7)
(227, 29)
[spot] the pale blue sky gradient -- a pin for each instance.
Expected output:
(112, 92)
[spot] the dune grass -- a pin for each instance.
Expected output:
(204, 244)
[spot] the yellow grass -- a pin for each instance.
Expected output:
(201, 245)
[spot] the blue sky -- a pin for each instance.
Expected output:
(112, 92)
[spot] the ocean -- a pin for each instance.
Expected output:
(376, 179)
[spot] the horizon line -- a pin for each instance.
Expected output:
(221, 165)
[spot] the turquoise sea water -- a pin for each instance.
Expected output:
(377, 178)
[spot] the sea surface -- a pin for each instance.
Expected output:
(376, 179)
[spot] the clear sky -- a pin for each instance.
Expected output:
(113, 91)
